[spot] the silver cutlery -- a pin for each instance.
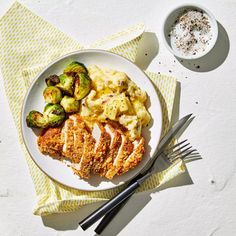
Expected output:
(148, 171)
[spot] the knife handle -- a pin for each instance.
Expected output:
(110, 215)
(108, 206)
(112, 203)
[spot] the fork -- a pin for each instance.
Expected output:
(181, 150)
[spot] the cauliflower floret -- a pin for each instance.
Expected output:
(132, 124)
(141, 112)
(120, 82)
(135, 92)
(92, 103)
(116, 105)
(96, 74)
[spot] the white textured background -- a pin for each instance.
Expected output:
(205, 205)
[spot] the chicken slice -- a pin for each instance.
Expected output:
(83, 168)
(68, 139)
(78, 141)
(50, 142)
(135, 157)
(103, 140)
(113, 149)
(125, 150)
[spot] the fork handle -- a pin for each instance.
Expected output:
(110, 215)
(111, 204)
(108, 206)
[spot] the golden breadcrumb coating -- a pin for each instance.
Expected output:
(134, 158)
(50, 142)
(83, 169)
(123, 154)
(114, 149)
(101, 150)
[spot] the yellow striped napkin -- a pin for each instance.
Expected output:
(28, 44)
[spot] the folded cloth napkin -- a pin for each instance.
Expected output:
(28, 44)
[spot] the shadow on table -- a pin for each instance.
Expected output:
(69, 221)
(148, 49)
(214, 58)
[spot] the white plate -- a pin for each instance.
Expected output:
(34, 101)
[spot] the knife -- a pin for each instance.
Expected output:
(147, 171)
(162, 145)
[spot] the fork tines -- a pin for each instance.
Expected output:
(181, 150)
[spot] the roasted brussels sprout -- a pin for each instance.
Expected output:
(54, 114)
(66, 84)
(82, 86)
(52, 80)
(74, 68)
(36, 119)
(52, 94)
(70, 104)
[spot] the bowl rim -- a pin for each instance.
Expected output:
(35, 81)
(213, 21)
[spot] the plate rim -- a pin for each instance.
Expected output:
(35, 80)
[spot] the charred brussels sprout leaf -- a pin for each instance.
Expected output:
(52, 80)
(74, 68)
(70, 104)
(82, 86)
(66, 84)
(36, 120)
(54, 114)
(52, 94)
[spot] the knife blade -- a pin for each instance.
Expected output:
(166, 140)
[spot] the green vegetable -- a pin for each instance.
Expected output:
(66, 84)
(54, 114)
(82, 86)
(36, 119)
(52, 94)
(74, 68)
(52, 80)
(70, 104)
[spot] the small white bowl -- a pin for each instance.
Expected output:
(170, 20)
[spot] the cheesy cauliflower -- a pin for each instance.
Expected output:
(114, 96)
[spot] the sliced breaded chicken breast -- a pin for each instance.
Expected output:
(83, 168)
(115, 144)
(125, 150)
(98, 148)
(135, 157)
(68, 139)
(78, 140)
(102, 146)
(50, 142)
